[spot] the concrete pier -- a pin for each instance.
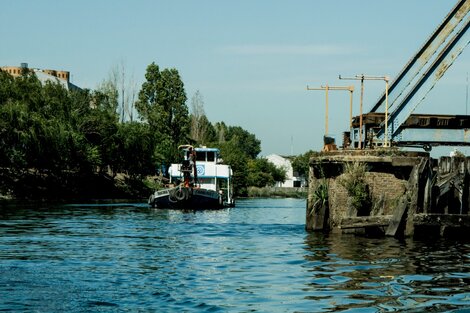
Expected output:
(388, 192)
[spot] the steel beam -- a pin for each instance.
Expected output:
(416, 64)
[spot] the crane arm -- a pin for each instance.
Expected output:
(417, 64)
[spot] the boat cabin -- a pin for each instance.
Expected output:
(204, 154)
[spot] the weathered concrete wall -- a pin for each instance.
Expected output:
(385, 190)
(408, 194)
(387, 177)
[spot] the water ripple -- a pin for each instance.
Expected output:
(256, 257)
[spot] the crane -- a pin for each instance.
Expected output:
(407, 91)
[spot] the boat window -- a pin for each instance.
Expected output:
(206, 180)
(210, 156)
(201, 156)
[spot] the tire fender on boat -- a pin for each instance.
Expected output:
(181, 194)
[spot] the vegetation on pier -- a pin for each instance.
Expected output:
(353, 180)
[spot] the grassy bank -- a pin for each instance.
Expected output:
(277, 192)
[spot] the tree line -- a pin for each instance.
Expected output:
(50, 133)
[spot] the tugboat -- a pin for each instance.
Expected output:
(199, 182)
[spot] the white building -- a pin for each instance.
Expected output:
(284, 163)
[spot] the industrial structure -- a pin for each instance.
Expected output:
(391, 119)
(388, 191)
(44, 75)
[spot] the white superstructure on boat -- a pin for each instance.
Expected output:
(201, 181)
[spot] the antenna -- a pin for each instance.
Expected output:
(291, 145)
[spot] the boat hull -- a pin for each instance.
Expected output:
(186, 198)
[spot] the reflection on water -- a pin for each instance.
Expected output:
(255, 257)
(387, 275)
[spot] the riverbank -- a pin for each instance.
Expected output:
(31, 185)
(36, 186)
(277, 192)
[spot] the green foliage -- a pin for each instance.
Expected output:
(204, 133)
(107, 97)
(238, 160)
(200, 125)
(271, 192)
(7, 87)
(135, 147)
(248, 142)
(262, 173)
(210, 133)
(239, 148)
(300, 163)
(353, 180)
(162, 105)
(220, 131)
(15, 135)
(320, 194)
(50, 131)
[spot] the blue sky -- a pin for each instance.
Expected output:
(250, 59)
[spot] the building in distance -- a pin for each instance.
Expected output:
(292, 178)
(44, 75)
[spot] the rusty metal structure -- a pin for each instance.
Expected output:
(395, 121)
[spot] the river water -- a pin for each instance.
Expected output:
(256, 257)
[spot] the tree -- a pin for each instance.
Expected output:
(14, 135)
(122, 91)
(238, 160)
(262, 173)
(237, 148)
(202, 131)
(162, 105)
(7, 85)
(147, 102)
(300, 163)
(247, 141)
(47, 131)
(220, 131)
(100, 128)
(173, 99)
(197, 112)
(210, 134)
(107, 95)
(135, 147)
